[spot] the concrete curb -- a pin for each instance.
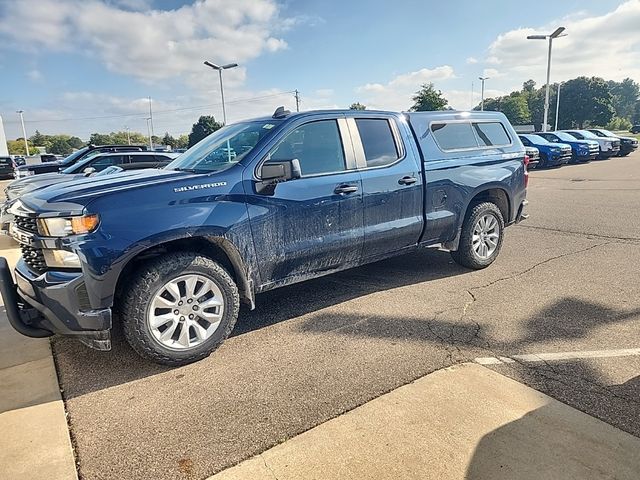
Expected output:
(35, 441)
(461, 422)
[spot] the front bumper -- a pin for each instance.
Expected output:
(557, 159)
(53, 302)
(612, 152)
(627, 148)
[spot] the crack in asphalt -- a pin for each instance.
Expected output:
(631, 240)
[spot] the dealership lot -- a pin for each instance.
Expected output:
(567, 282)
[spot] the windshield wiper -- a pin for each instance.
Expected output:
(191, 170)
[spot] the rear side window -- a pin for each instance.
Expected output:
(454, 136)
(491, 134)
(378, 141)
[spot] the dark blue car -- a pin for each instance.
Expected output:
(175, 251)
(582, 150)
(551, 154)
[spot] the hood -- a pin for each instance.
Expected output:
(29, 184)
(74, 195)
(562, 146)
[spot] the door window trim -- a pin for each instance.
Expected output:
(361, 159)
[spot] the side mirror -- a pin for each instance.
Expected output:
(273, 172)
(280, 170)
(89, 170)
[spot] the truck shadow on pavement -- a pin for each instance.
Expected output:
(101, 370)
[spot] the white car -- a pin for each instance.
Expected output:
(609, 146)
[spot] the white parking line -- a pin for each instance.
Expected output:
(550, 357)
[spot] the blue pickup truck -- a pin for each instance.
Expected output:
(175, 251)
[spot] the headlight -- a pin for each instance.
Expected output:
(608, 144)
(24, 173)
(61, 258)
(62, 227)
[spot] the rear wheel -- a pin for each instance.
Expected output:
(481, 236)
(179, 308)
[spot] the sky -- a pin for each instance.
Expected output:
(84, 66)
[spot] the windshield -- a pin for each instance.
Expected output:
(536, 139)
(565, 136)
(603, 133)
(223, 148)
(72, 158)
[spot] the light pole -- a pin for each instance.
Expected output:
(220, 69)
(482, 79)
(557, 33)
(128, 135)
(558, 104)
(148, 119)
(24, 132)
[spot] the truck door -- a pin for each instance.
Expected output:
(391, 185)
(313, 223)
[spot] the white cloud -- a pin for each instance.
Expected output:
(150, 45)
(34, 75)
(397, 93)
(606, 45)
(471, 60)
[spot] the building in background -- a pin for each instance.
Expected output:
(4, 149)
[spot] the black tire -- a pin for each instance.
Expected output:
(542, 162)
(466, 255)
(145, 285)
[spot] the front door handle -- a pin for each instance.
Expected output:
(343, 189)
(407, 180)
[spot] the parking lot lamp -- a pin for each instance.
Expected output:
(24, 132)
(220, 69)
(557, 104)
(148, 119)
(557, 33)
(482, 79)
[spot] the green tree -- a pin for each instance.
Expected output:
(205, 126)
(357, 106)
(625, 95)
(585, 101)
(100, 139)
(618, 124)
(169, 140)
(16, 147)
(516, 109)
(528, 87)
(60, 146)
(428, 99)
(182, 141)
(75, 142)
(38, 139)
(636, 114)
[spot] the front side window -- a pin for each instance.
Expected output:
(454, 136)
(316, 145)
(577, 135)
(491, 134)
(378, 141)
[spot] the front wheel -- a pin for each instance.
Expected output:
(481, 237)
(179, 308)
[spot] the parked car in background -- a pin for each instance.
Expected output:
(17, 188)
(551, 154)
(47, 157)
(28, 170)
(627, 144)
(7, 166)
(88, 166)
(18, 161)
(581, 150)
(609, 146)
(635, 129)
(176, 250)
(534, 156)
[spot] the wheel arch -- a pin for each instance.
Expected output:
(218, 248)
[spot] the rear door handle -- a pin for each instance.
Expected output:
(407, 180)
(342, 189)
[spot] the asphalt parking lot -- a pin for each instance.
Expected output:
(567, 282)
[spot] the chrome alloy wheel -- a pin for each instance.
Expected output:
(185, 312)
(486, 234)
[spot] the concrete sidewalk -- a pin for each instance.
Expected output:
(35, 441)
(462, 422)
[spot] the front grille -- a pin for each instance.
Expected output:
(34, 258)
(28, 224)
